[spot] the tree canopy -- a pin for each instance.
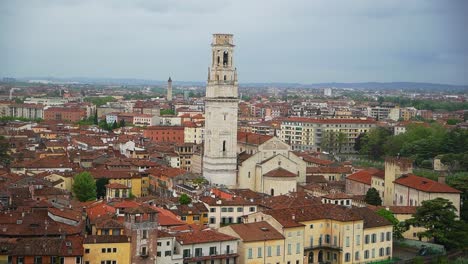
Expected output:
(5, 158)
(84, 187)
(184, 199)
(398, 228)
(437, 216)
(373, 197)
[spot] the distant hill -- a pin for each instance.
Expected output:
(407, 86)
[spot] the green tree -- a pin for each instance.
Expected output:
(184, 199)
(340, 140)
(114, 125)
(5, 157)
(84, 187)
(101, 187)
(373, 197)
(167, 112)
(398, 228)
(372, 143)
(122, 123)
(437, 216)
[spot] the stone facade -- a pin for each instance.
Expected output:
(221, 106)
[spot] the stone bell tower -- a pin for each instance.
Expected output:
(221, 106)
(169, 90)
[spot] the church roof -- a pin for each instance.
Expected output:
(279, 172)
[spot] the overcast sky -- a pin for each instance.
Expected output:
(306, 41)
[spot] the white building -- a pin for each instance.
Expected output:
(221, 107)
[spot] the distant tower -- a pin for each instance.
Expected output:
(221, 105)
(169, 90)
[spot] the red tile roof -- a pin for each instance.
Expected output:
(252, 138)
(202, 236)
(424, 184)
(279, 172)
(258, 231)
(115, 185)
(363, 176)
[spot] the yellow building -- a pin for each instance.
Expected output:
(106, 249)
(137, 183)
(333, 233)
(194, 213)
(262, 243)
(65, 180)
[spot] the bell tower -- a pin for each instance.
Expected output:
(221, 106)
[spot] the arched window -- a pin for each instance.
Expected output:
(224, 145)
(225, 77)
(225, 58)
(272, 191)
(219, 60)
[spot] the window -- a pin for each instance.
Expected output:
(109, 250)
(212, 220)
(198, 252)
(183, 218)
(252, 209)
(289, 249)
(382, 237)
(327, 239)
(388, 251)
(86, 250)
(373, 253)
(114, 250)
(224, 145)
(230, 209)
(212, 250)
(298, 248)
(103, 250)
(158, 254)
(356, 255)
(298, 233)
(347, 257)
(347, 241)
(381, 252)
(259, 252)
(167, 253)
(335, 240)
(366, 254)
(366, 239)
(213, 210)
(186, 253)
(249, 255)
(223, 209)
(240, 209)
(278, 250)
(145, 234)
(269, 251)
(358, 240)
(389, 236)
(143, 251)
(374, 238)
(159, 244)
(311, 226)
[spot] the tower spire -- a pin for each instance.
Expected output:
(169, 90)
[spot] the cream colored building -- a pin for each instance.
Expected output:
(307, 133)
(193, 134)
(412, 190)
(272, 168)
(333, 233)
(262, 243)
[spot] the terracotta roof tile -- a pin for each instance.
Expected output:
(202, 236)
(424, 184)
(258, 231)
(279, 172)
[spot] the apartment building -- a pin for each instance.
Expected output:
(331, 233)
(307, 133)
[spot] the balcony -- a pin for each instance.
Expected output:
(323, 246)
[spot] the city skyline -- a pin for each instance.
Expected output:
(302, 42)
